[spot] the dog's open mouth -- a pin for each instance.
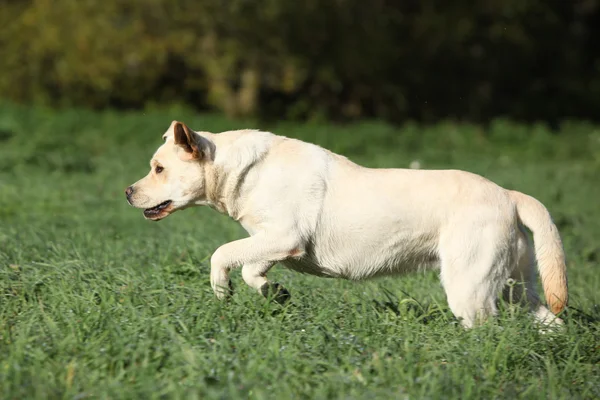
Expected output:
(157, 211)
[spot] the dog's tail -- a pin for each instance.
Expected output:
(548, 249)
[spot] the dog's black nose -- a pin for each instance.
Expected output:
(129, 192)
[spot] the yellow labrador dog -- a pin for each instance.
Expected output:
(319, 213)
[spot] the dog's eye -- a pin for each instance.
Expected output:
(158, 169)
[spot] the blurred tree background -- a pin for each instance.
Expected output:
(341, 59)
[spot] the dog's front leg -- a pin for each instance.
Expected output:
(257, 254)
(255, 276)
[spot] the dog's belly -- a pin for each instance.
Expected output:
(307, 266)
(360, 261)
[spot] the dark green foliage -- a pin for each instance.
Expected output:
(96, 302)
(421, 59)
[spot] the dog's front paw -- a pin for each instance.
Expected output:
(276, 292)
(222, 287)
(223, 293)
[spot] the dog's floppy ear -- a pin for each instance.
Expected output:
(194, 146)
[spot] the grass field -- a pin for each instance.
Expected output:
(96, 302)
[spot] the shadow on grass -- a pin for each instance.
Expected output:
(581, 317)
(410, 308)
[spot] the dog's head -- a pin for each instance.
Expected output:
(177, 174)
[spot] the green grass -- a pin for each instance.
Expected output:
(96, 302)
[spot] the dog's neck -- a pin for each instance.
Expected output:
(224, 189)
(236, 162)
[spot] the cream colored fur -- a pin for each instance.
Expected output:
(317, 212)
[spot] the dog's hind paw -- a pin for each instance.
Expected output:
(276, 292)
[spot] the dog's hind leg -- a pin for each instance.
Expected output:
(523, 288)
(474, 267)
